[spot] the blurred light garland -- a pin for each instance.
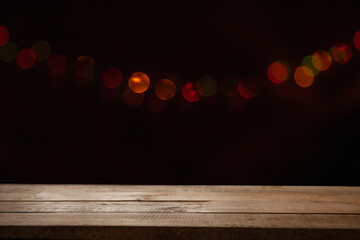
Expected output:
(236, 91)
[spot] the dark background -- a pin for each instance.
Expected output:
(287, 135)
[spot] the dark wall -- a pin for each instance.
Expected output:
(286, 135)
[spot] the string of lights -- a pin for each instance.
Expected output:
(165, 89)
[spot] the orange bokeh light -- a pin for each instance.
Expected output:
(165, 89)
(57, 63)
(189, 92)
(139, 82)
(132, 99)
(4, 35)
(321, 60)
(26, 58)
(304, 77)
(112, 77)
(340, 52)
(357, 40)
(278, 72)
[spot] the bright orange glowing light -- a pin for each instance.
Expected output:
(229, 86)
(278, 72)
(57, 63)
(340, 52)
(357, 40)
(247, 90)
(25, 58)
(139, 82)
(42, 50)
(4, 35)
(206, 86)
(132, 99)
(165, 89)
(112, 77)
(189, 92)
(304, 77)
(8, 52)
(321, 60)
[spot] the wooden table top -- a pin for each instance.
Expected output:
(178, 212)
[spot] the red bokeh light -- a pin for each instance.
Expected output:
(112, 77)
(26, 58)
(189, 92)
(340, 52)
(247, 90)
(4, 35)
(357, 40)
(57, 63)
(277, 72)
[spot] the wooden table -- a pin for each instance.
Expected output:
(179, 212)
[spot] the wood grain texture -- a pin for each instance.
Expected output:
(178, 212)
(241, 206)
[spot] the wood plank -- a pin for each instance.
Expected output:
(209, 220)
(242, 206)
(175, 193)
(179, 212)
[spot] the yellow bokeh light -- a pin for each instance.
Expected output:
(165, 89)
(139, 82)
(321, 60)
(304, 76)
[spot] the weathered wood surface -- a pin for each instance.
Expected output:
(178, 212)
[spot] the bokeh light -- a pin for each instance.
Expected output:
(340, 52)
(57, 63)
(308, 62)
(189, 92)
(356, 40)
(165, 89)
(112, 77)
(8, 52)
(206, 86)
(132, 99)
(304, 76)
(26, 58)
(4, 35)
(139, 82)
(229, 86)
(321, 60)
(248, 90)
(42, 50)
(84, 70)
(156, 105)
(278, 71)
